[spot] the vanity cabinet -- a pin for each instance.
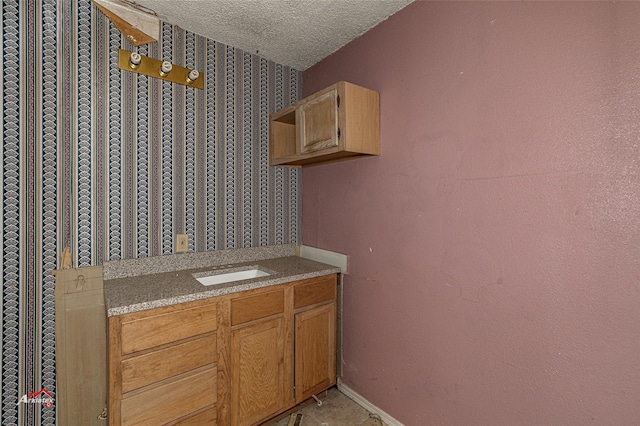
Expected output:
(258, 347)
(315, 337)
(337, 123)
(162, 365)
(238, 359)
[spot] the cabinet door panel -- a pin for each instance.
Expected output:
(315, 351)
(257, 372)
(319, 123)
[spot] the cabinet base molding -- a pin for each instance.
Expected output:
(364, 403)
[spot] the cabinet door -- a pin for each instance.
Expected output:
(257, 371)
(315, 350)
(318, 123)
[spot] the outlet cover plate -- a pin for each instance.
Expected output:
(182, 243)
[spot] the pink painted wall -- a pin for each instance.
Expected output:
(495, 244)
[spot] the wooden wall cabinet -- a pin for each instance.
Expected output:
(338, 123)
(238, 360)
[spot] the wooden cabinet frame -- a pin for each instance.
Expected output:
(152, 352)
(338, 123)
(152, 364)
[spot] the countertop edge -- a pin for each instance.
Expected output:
(125, 268)
(216, 292)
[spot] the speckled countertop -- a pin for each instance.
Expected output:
(124, 294)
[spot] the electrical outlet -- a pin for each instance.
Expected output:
(182, 243)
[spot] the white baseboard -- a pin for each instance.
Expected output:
(360, 400)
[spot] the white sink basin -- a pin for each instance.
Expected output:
(228, 277)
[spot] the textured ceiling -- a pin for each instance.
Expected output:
(297, 33)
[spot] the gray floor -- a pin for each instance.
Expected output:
(336, 410)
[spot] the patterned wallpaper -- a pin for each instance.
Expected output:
(113, 164)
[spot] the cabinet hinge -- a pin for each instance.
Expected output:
(338, 132)
(338, 101)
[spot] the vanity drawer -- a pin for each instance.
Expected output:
(151, 367)
(262, 305)
(170, 401)
(143, 331)
(316, 291)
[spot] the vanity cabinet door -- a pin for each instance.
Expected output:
(257, 359)
(257, 371)
(314, 303)
(315, 350)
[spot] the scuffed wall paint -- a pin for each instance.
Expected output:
(493, 246)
